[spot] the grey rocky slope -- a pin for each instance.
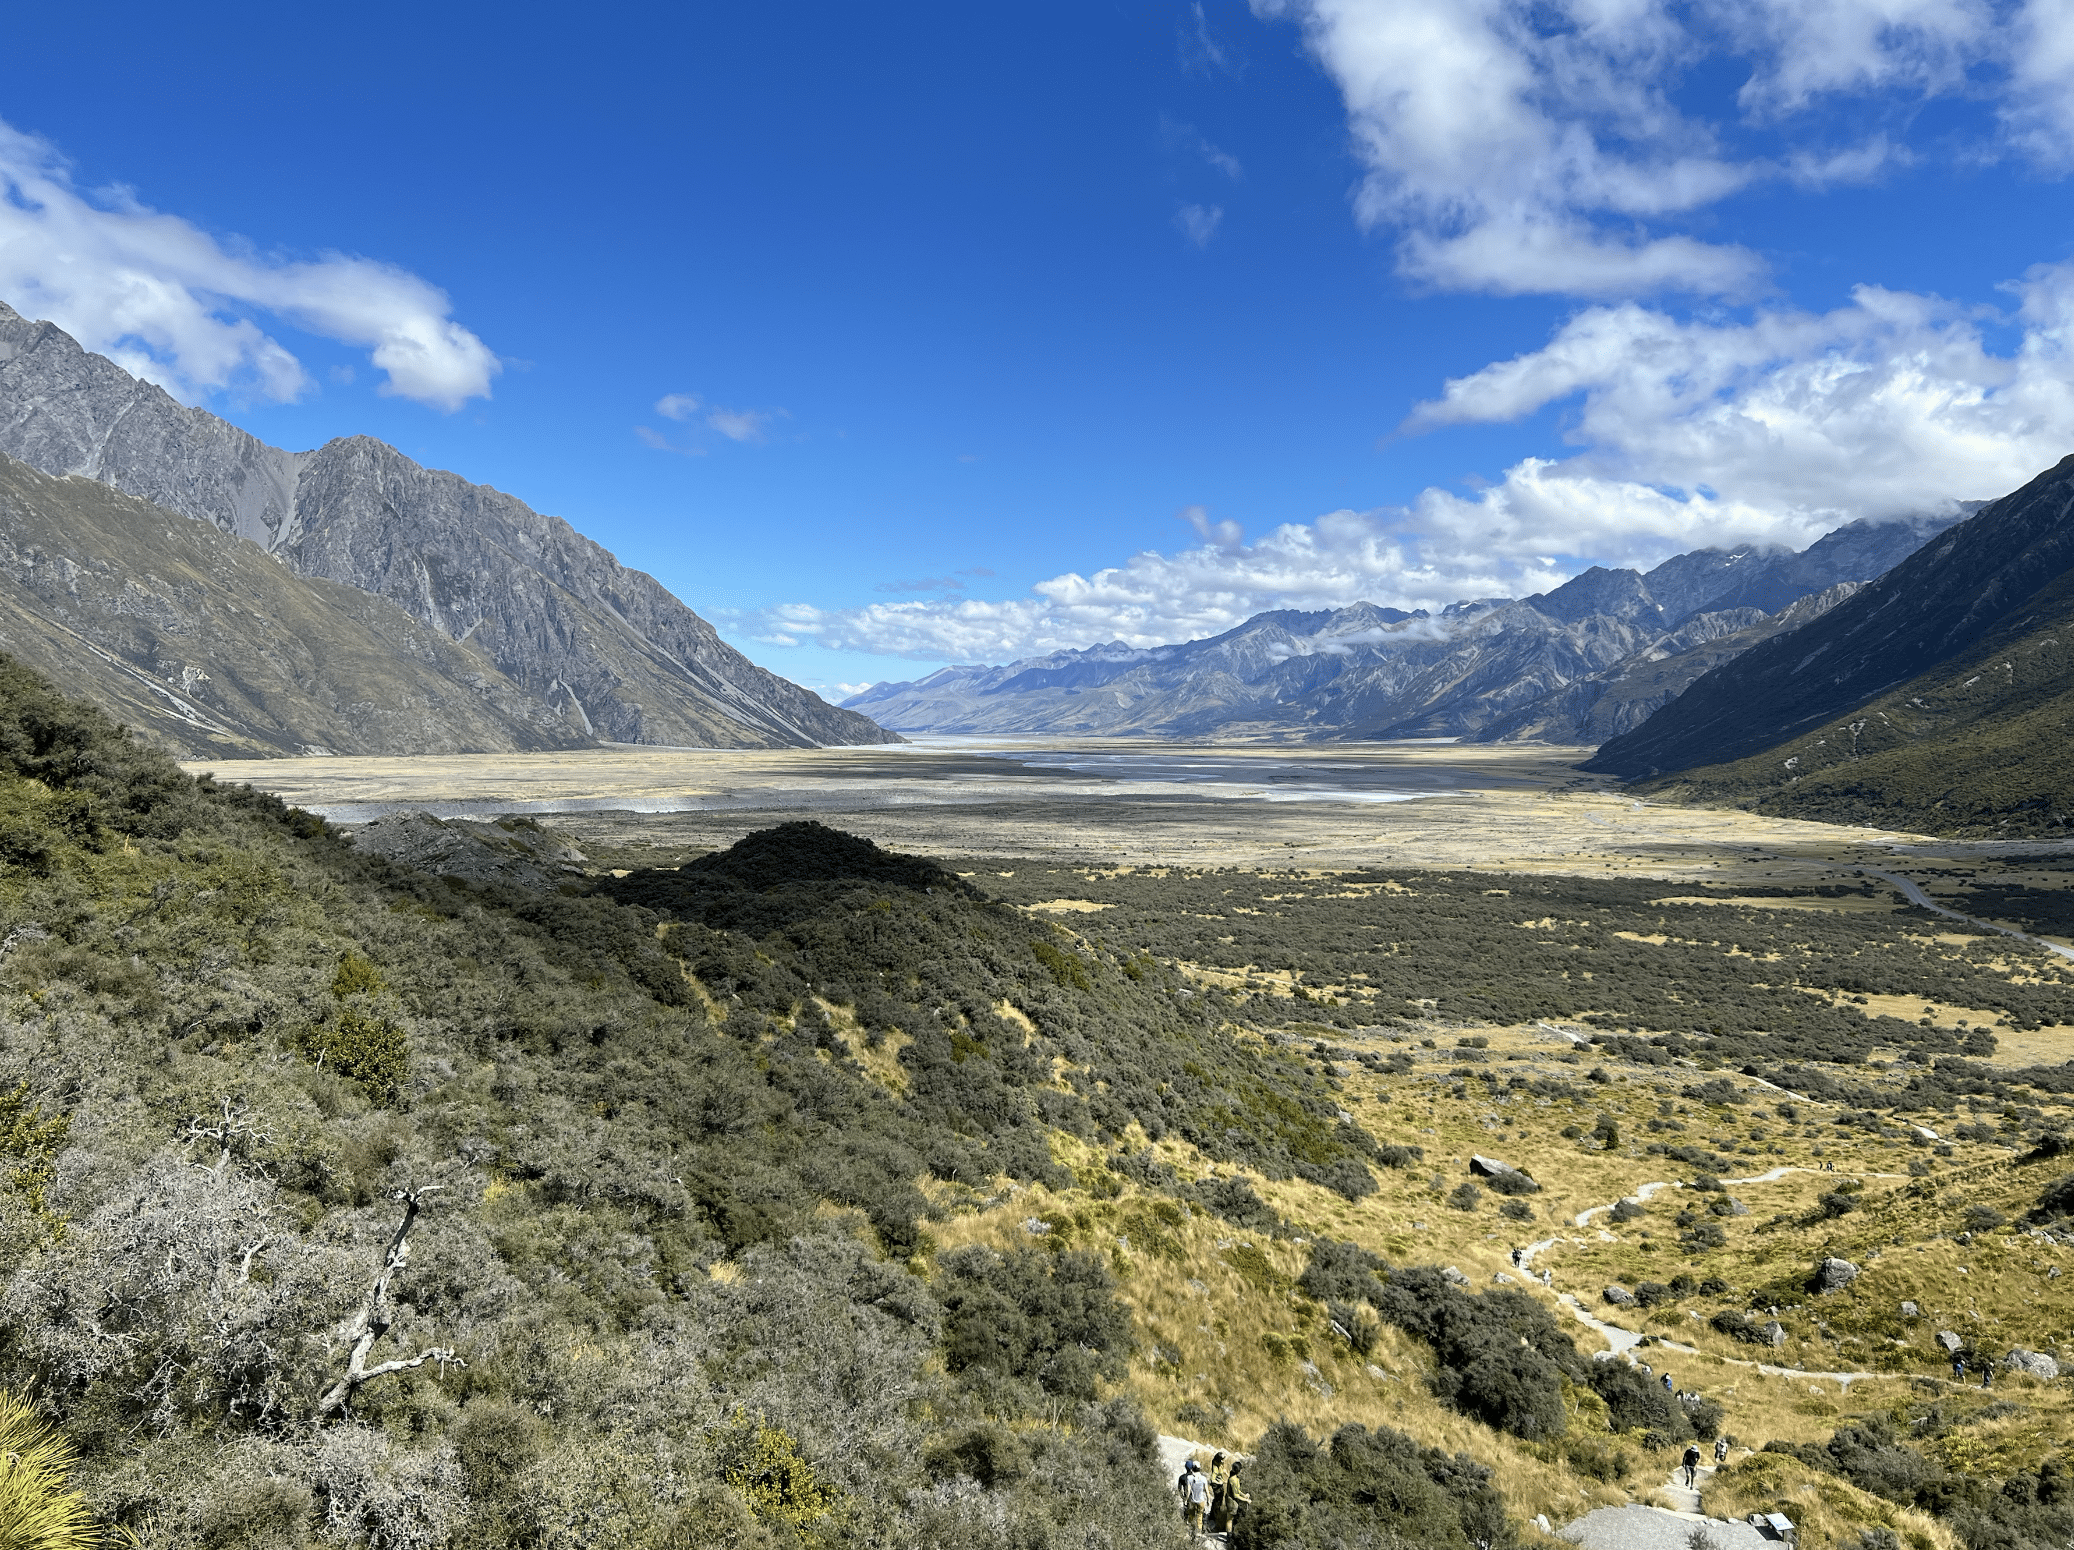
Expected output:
(608, 652)
(211, 650)
(1949, 595)
(1585, 662)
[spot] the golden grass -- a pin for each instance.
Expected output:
(1824, 1509)
(1224, 1339)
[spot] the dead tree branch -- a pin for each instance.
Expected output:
(377, 1313)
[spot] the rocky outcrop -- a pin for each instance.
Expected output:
(606, 652)
(1833, 1275)
(1619, 1296)
(2035, 1363)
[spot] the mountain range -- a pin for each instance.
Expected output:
(502, 627)
(1590, 660)
(1938, 698)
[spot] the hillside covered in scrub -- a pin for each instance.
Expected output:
(809, 1194)
(345, 1204)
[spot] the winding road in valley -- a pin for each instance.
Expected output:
(1915, 895)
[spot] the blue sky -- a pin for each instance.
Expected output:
(891, 336)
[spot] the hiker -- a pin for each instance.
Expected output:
(1234, 1497)
(1958, 1369)
(1668, 1388)
(1720, 1451)
(1194, 1491)
(1220, 1472)
(1692, 1465)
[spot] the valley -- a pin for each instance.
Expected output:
(1738, 1025)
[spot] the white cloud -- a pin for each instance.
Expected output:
(169, 302)
(1692, 434)
(1199, 223)
(742, 424)
(1879, 407)
(1537, 145)
(677, 406)
(1202, 52)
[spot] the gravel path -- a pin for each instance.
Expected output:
(1652, 1528)
(1621, 1342)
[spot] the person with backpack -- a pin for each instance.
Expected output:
(1220, 1472)
(1720, 1451)
(1194, 1490)
(1692, 1465)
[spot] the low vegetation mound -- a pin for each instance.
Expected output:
(794, 854)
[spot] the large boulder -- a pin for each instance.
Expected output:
(2036, 1363)
(1950, 1341)
(1454, 1276)
(1620, 1297)
(1772, 1333)
(1489, 1167)
(1833, 1274)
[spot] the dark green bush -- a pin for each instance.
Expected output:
(1051, 1319)
(1367, 1488)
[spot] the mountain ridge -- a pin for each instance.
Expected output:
(607, 648)
(207, 647)
(1932, 606)
(1587, 660)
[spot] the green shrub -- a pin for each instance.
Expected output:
(1051, 1319)
(362, 1048)
(1366, 1488)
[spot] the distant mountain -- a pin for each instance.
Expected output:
(211, 650)
(1591, 659)
(605, 652)
(1976, 747)
(1962, 588)
(1620, 698)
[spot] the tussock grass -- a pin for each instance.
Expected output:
(1227, 1347)
(1825, 1510)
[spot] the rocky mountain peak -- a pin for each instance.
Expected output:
(607, 649)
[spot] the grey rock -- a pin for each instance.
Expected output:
(1489, 1167)
(2036, 1363)
(1833, 1275)
(514, 852)
(604, 652)
(1950, 1341)
(1773, 1333)
(1736, 1207)
(1619, 1296)
(1503, 1279)
(1908, 1310)
(1454, 1277)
